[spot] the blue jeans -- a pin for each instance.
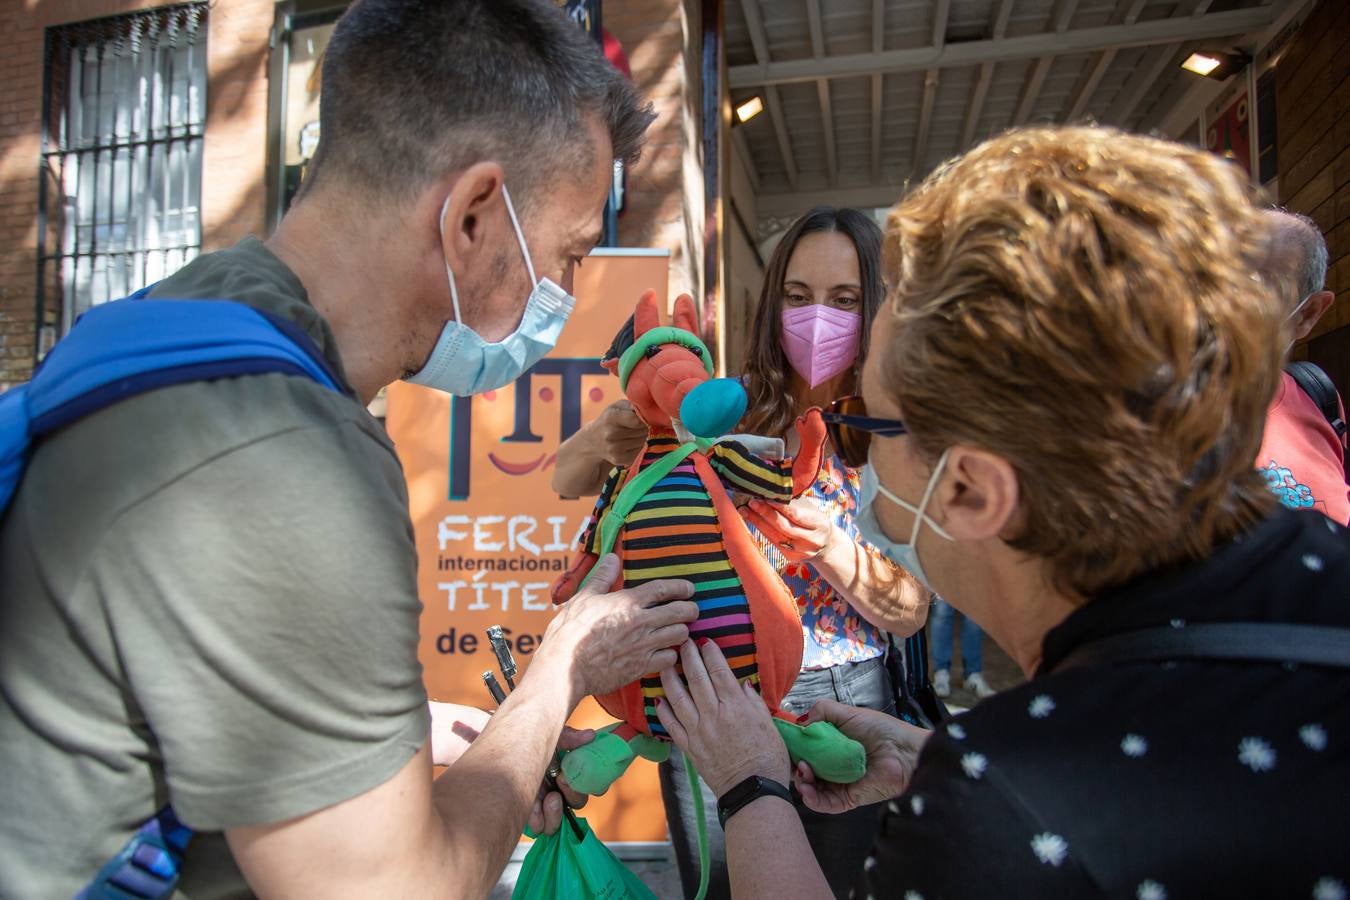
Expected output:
(841, 843)
(971, 659)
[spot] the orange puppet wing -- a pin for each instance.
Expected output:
(566, 585)
(811, 437)
(626, 704)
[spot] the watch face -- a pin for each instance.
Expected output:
(746, 789)
(750, 789)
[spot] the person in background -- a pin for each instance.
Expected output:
(210, 590)
(1079, 360)
(972, 655)
(1303, 451)
(822, 288)
(612, 439)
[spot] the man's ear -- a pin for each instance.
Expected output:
(979, 494)
(1313, 310)
(471, 215)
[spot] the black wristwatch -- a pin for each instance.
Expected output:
(752, 788)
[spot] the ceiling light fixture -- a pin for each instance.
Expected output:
(1216, 64)
(1201, 64)
(748, 109)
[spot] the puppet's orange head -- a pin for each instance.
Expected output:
(667, 373)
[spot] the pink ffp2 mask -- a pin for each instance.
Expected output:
(820, 341)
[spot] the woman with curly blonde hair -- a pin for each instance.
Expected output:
(1064, 397)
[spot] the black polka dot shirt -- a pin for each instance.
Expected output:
(1151, 780)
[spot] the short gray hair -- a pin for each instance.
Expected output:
(1296, 238)
(414, 89)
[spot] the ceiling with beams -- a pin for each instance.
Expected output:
(862, 96)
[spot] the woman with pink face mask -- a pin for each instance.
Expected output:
(822, 288)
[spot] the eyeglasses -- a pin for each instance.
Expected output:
(851, 429)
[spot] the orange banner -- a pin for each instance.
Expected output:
(492, 535)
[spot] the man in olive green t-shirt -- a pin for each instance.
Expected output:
(209, 590)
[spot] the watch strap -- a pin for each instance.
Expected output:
(745, 793)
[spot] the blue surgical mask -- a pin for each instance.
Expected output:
(903, 555)
(464, 364)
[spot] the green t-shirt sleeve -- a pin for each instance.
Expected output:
(264, 606)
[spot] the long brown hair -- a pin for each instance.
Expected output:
(768, 374)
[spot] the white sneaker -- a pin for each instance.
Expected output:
(978, 686)
(942, 683)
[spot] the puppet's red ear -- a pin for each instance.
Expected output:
(686, 314)
(611, 365)
(647, 315)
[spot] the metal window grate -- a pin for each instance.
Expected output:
(124, 105)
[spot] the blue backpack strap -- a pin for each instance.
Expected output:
(148, 866)
(128, 347)
(14, 441)
(123, 348)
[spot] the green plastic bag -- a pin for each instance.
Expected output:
(563, 865)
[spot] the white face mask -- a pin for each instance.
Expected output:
(1293, 315)
(904, 555)
(463, 364)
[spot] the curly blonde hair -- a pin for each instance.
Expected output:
(1084, 303)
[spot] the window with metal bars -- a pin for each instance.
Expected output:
(120, 199)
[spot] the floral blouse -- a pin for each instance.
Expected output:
(835, 632)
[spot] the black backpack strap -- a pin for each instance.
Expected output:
(1264, 642)
(915, 700)
(1317, 385)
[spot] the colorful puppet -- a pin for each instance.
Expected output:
(671, 515)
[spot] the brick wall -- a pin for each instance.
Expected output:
(1313, 97)
(234, 153)
(664, 204)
